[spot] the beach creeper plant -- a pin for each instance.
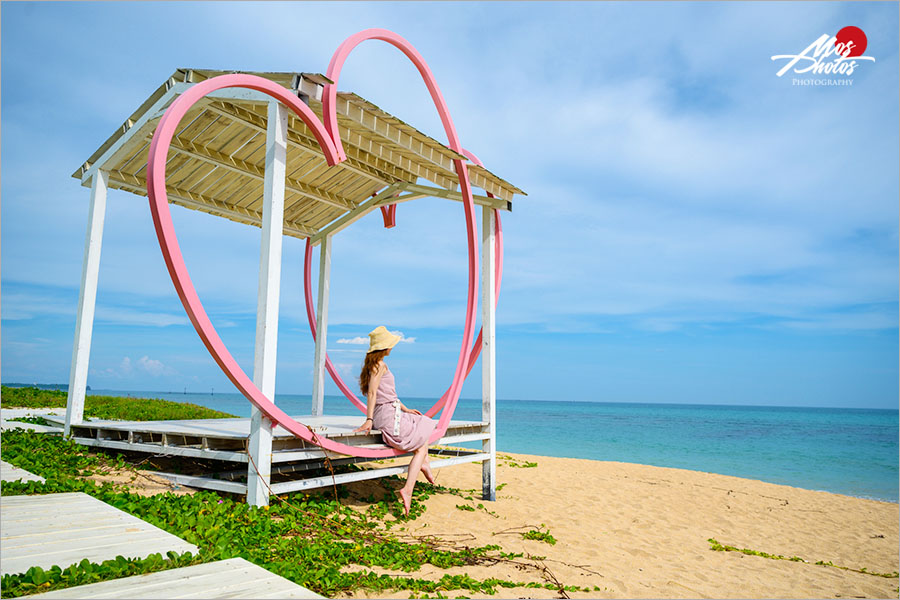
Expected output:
(716, 546)
(310, 539)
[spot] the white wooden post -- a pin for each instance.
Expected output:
(488, 354)
(87, 298)
(260, 443)
(318, 395)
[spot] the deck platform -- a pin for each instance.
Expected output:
(64, 529)
(227, 440)
(233, 578)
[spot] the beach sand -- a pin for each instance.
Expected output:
(638, 531)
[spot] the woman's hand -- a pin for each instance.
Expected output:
(365, 427)
(412, 411)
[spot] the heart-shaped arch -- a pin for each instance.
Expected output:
(476, 346)
(328, 136)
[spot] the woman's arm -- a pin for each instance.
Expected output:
(405, 408)
(370, 397)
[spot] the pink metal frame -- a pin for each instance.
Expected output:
(476, 347)
(328, 136)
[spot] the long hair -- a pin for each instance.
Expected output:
(370, 364)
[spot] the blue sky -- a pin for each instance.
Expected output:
(697, 229)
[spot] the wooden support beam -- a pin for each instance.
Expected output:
(260, 442)
(241, 167)
(488, 355)
(356, 214)
(84, 318)
(318, 392)
(425, 190)
(205, 203)
(358, 161)
(353, 139)
(328, 480)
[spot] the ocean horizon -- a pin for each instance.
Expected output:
(851, 451)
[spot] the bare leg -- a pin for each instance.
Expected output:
(426, 470)
(415, 465)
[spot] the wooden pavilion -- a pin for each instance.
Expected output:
(241, 155)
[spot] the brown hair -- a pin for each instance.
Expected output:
(370, 367)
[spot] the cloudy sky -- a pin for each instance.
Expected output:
(697, 229)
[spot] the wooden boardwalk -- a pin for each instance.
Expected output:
(233, 578)
(226, 439)
(11, 473)
(63, 529)
(6, 414)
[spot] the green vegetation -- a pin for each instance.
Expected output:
(541, 536)
(32, 420)
(308, 539)
(37, 581)
(109, 407)
(514, 462)
(714, 545)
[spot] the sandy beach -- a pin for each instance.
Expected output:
(639, 531)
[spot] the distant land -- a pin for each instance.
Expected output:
(43, 386)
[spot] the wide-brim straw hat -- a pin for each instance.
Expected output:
(382, 339)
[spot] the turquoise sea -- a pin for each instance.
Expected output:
(843, 450)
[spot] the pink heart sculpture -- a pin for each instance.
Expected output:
(328, 136)
(476, 346)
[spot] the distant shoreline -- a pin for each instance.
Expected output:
(157, 393)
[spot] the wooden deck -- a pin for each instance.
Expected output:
(11, 473)
(63, 529)
(226, 439)
(233, 578)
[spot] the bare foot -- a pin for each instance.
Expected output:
(428, 473)
(406, 497)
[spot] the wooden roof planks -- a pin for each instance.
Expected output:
(216, 163)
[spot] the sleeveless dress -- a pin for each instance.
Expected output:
(401, 430)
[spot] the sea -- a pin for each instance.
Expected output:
(842, 450)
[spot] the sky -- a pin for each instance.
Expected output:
(697, 229)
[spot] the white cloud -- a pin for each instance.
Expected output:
(364, 341)
(155, 367)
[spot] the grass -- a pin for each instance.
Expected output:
(109, 407)
(309, 539)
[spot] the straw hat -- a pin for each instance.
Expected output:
(382, 339)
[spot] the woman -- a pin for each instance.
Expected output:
(403, 428)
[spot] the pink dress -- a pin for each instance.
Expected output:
(401, 430)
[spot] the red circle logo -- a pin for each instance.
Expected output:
(853, 38)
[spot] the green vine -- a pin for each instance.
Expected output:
(714, 545)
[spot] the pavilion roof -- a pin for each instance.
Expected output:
(217, 160)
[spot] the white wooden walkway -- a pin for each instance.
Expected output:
(233, 578)
(11, 473)
(14, 413)
(63, 529)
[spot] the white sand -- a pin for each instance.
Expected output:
(643, 530)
